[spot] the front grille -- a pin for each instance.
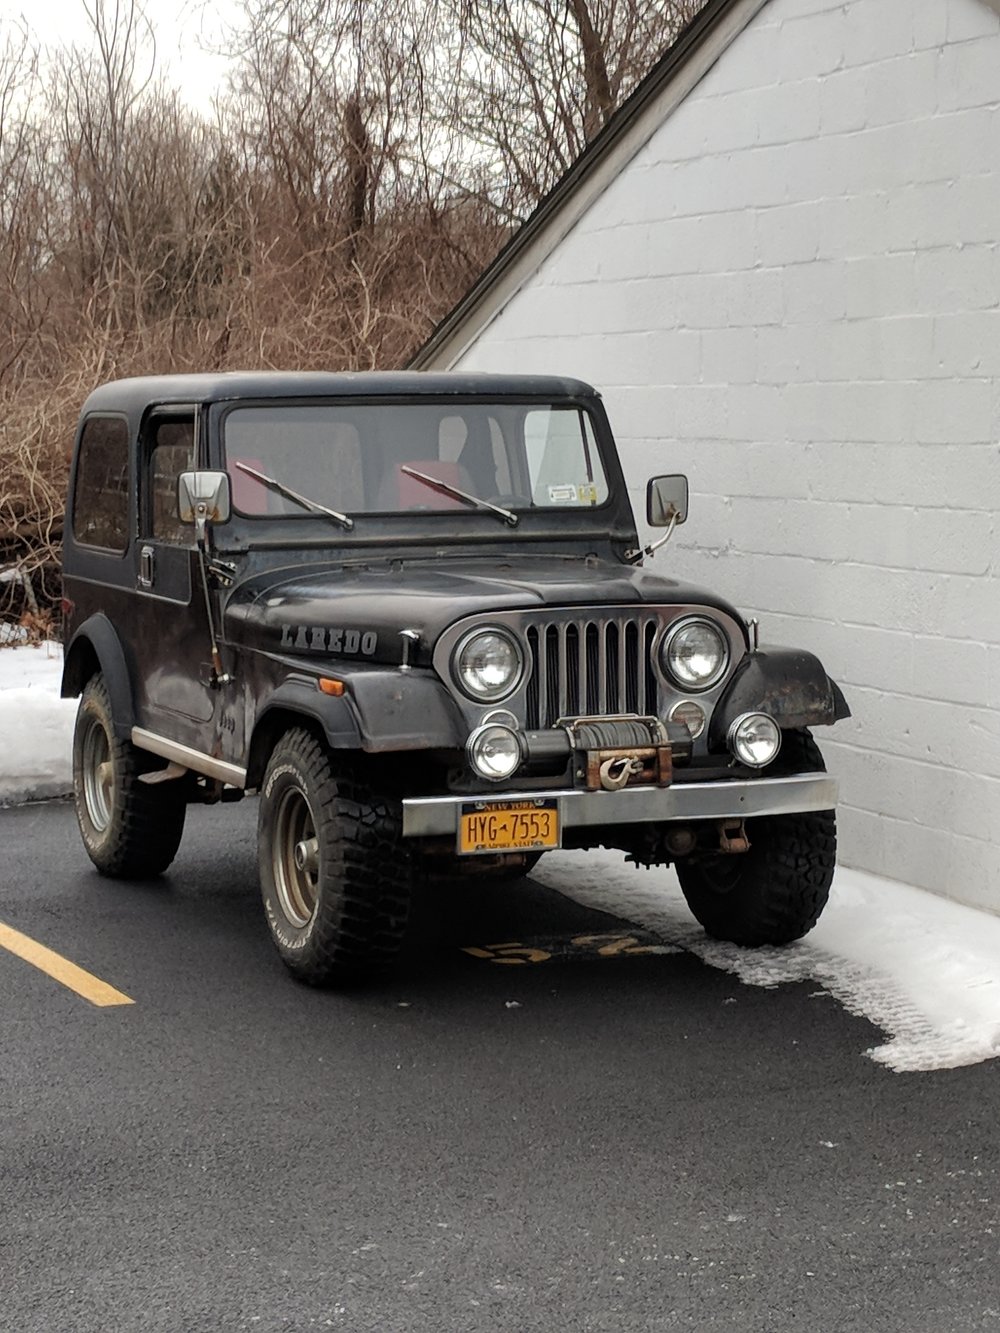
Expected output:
(590, 668)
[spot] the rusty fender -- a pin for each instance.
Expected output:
(787, 683)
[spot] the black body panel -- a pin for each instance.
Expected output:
(134, 396)
(97, 644)
(295, 611)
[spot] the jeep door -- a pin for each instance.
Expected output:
(174, 695)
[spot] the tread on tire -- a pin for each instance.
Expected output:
(775, 892)
(131, 830)
(340, 916)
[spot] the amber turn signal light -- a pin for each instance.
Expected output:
(329, 686)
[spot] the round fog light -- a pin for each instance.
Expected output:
(494, 751)
(755, 739)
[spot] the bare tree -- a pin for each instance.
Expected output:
(331, 115)
(20, 241)
(536, 80)
(367, 162)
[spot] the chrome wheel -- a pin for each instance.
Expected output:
(97, 771)
(295, 852)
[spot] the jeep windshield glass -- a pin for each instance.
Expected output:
(360, 458)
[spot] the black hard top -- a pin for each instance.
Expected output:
(135, 394)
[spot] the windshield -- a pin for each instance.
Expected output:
(361, 458)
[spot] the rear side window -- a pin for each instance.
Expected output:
(100, 501)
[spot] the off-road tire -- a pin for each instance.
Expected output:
(131, 829)
(775, 892)
(339, 916)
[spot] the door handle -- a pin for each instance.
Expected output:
(146, 567)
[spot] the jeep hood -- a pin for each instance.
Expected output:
(357, 613)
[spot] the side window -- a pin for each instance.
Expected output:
(172, 453)
(100, 500)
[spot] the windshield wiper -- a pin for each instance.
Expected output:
(287, 491)
(506, 514)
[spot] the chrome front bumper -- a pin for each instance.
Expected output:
(428, 816)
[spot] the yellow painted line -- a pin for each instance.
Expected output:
(61, 969)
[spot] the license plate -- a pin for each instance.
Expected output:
(508, 826)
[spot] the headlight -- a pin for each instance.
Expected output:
(495, 751)
(488, 664)
(755, 739)
(695, 654)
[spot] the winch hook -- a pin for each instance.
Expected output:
(615, 773)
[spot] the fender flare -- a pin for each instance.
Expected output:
(405, 710)
(298, 699)
(788, 683)
(96, 647)
(381, 712)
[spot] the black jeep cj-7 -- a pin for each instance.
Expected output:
(411, 611)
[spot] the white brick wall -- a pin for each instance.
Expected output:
(791, 294)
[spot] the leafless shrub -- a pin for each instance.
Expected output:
(368, 160)
(536, 80)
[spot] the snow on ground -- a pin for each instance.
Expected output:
(922, 968)
(36, 726)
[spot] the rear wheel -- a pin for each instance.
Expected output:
(775, 892)
(131, 829)
(335, 876)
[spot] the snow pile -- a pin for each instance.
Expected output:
(36, 726)
(922, 968)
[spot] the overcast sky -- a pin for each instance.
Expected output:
(184, 28)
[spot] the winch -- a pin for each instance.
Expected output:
(617, 752)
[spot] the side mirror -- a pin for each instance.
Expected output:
(666, 501)
(203, 498)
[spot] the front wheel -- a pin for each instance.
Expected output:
(334, 872)
(775, 892)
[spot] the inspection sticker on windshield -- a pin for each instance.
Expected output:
(563, 494)
(508, 826)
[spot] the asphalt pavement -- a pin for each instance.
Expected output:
(583, 1140)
